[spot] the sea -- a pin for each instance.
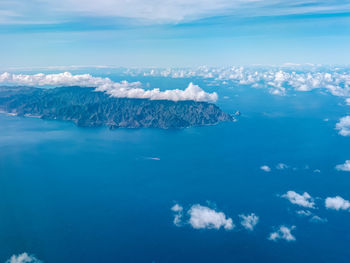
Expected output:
(81, 195)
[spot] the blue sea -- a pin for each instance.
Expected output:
(70, 194)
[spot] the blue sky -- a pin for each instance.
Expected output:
(138, 33)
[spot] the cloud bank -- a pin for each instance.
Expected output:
(121, 89)
(202, 217)
(278, 80)
(284, 233)
(23, 258)
(337, 203)
(304, 200)
(249, 221)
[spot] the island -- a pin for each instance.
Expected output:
(89, 108)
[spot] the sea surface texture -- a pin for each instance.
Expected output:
(72, 194)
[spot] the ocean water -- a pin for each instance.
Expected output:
(72, 194)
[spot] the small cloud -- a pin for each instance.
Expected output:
(281, 166)
(343, 126)
(178, 210)
(345, 167)
(23, 258)
(304, 213)
(317, 171)
(284, 233)
(249, 221)
(304, 200)
(337, 203)
(202, 217)
(317, 219)
(153, 158)
(265, 168)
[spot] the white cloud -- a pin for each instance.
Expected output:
(23, 258)
(121, 89)
(165, 11)
(313, 218)
(317, 219)
(178, 210)
(276, 80)
(265, 168)
(249, 221)
(337, 203)
(281, 166)
(344, 126)
(343, 167)
(304, 212)
(282, 233)
(304, 200)
(202, 217)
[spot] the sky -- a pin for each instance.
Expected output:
(181, 33)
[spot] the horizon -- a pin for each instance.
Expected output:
(173, 33)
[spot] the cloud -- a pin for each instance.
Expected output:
(276, 80)
(337, 203)
(121, 89)
(281, 166)
(249, 221)
(178, 210)
(313, 218)
(282, 233)
(202, 217)
(23, 258)
(317, 219)
(265, 168)
(304, 212)
(170, 11)
(343, 126)
(304, 200)
(343, 167)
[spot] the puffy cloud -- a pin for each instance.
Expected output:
(282, 233)
(277, 80)
(192, 92)
(343, 167)
(202, 217)
(344, 126)
(121, 89)
(304, 200)
(249, 221)
(337, 203)
(23, 258)
(265, 168)
(178, 210)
